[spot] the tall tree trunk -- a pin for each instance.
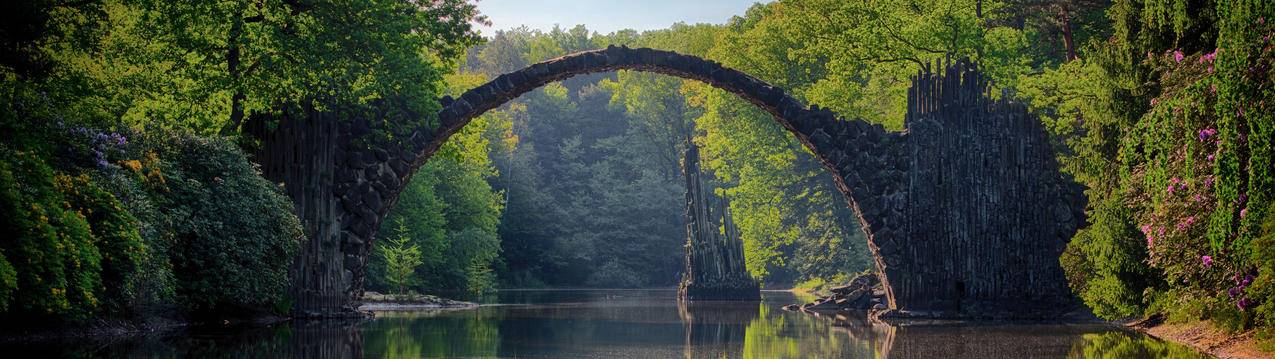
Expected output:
(1068, 41)
(233, 64)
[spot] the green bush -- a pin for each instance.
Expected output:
(8, 282)
(1263, 289)
(103, 226)
(115, 236)
(1173, 138)
(234, 233)
(52, 266)
(1105, 265)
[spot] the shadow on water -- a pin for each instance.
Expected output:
(625, 324)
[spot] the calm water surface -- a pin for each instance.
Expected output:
(627, 324)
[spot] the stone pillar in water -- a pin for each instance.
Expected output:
(715, 267)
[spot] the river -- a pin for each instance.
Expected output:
(625, 324)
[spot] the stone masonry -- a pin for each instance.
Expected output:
(965, 211)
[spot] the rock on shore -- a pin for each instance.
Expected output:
(863, 293)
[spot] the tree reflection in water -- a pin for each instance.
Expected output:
(624, 324)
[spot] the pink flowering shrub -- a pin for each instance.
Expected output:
(1174, 194)
(1197, 172)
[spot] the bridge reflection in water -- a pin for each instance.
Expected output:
(628, 324)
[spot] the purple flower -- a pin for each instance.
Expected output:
(1177, 55)
(1248, 279)
(1243, 199)
(1243, 212)
(1191, 220)
(1170, 188)
(1243, 303)
(1146, 229)
(1197, 198)
(1210, 157)
(1208, 260)
(1206, 133)
(1181, 226)
(1233, 292)
(1208, 182)
(100, 158)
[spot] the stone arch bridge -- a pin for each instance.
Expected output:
(965, 211)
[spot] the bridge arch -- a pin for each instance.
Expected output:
(965, 211)
(815, 128)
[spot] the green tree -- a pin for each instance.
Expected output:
(401, 258)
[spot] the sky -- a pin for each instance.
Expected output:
(605, 16)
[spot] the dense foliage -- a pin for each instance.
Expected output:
(232, 234)
(1166, 123)
(124, 223)
(121, 199)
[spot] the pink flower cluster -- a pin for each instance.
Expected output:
(1186, 224)
(1146, 230)
(1176, 184)
(1209, 58)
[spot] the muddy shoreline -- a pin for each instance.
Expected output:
(1203, 337)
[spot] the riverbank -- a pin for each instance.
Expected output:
(1206, 338)
(377, 302)
(110, 330)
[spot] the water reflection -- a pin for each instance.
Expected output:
(626, 324)
(1117, 345)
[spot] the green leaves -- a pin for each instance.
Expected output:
(235, 234)
(401, 257)
(209, 65)
(56, 268)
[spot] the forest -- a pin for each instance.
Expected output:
(126, 188)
